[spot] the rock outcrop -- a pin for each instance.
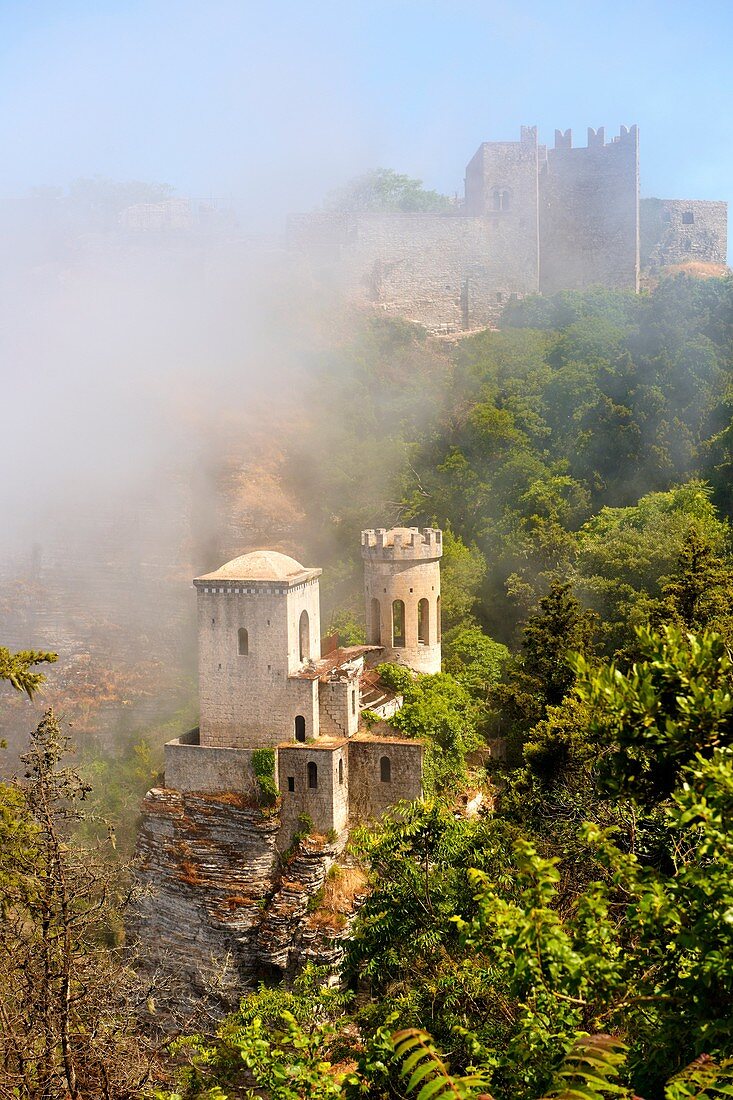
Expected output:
(220, 908)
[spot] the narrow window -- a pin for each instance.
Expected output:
(312, 775)
(423, 623)
(341, 771)
(375, 626)
(438, 627)
(505, 200)
(688, 217)
(385, 769)
(496, 198)
(304, 634)
(353, 701)
(291, 783)
(299, 727)
(243, 642)
(398, 624)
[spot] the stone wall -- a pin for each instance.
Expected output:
(444, 271)
(373, 791)
(190, 766)
(589, 213)
(326, 803)
(251, 700)
(338, 702)
(690, 230)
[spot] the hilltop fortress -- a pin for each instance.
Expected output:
(533, 220)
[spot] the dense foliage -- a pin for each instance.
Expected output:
(570, 934)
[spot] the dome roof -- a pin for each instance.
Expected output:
(260, 565)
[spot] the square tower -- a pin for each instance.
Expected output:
(258, 627)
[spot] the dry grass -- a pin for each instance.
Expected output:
(340, 890)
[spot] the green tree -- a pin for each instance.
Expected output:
(386, 191)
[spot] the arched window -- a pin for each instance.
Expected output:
(341, 771)
(304, 635)
(312, 775)
(299, 727)
(423, 623)
(385, 769)
(505, 200)
(496, 198)
(375, 623)
(398, 624)
(243, 642)
(438, 627)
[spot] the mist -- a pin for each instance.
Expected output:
(146, 366)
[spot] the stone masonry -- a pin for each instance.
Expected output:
(534, 219)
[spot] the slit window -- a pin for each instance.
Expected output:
(304, 636)
(242, 642)
(423, 623)
(438, 628)
(299, 727)
(312, 775)
(385, 769)
(375, 625)
(291, 783)
(341, 771)
(398, 624)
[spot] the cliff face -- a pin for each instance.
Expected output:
(220, 908)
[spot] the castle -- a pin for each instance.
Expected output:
(533, 220)
(268, 680)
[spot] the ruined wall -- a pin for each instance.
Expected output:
(589, 213)
(689, 230)
(248, 700)
(372, 793)
(444, 271)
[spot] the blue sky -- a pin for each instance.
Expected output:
(274, 103)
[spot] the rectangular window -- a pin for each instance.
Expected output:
(291, 783)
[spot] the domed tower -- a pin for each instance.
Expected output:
(402, 588)
(258, 627)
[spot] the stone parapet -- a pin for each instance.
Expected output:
(402, 544)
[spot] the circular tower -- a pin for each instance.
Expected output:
(402, 589)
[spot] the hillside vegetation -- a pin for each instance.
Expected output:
(573, 939)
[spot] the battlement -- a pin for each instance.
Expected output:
(628, 135)
(402, 544)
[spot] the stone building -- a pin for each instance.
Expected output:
(267, 681)
(226, 899)
(534, 219)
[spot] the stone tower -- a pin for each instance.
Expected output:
(258, 627)
(402, 589)
(589, 212)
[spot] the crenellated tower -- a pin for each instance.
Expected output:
(402, 590)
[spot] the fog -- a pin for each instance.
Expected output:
(137, 363)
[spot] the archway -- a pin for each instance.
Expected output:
(398, 624)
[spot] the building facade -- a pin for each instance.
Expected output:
(267, 681)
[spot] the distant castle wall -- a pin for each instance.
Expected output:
(589, 213)
(690, 230)
(443, 271)
(534, 219)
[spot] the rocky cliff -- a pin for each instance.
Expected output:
(220, 908)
